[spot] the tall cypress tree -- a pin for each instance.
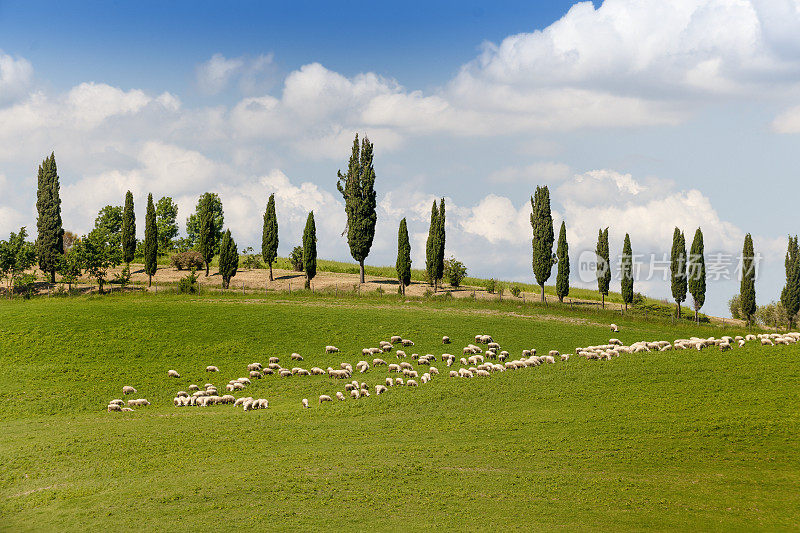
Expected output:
(562, 257)
(696, 272)
(431, 248)
(206, 229)
(403, 265)
(747, 292)
(440, 239)
(269, 235)
(358, 190)
(603, 265)
(50, 241)
(790, 295)
(128, 229)
(150, 241)
(677, 268)
(542, 243)
(228, 259)
(626, 282)
(310, 249)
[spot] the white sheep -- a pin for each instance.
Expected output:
(398, 381)
(565, 357)
(212, 368)
(255, 374)
(380, 389)
(114, 407)
(325, 398)
(355, 394)
(331, 349)
(411, 383)
(127, 389)
(406, 342)
(453, 374)
(173, 374)
(297, 357)
(317, 371)
(378, 362)
(253, 366)
(274, 360)
(396, 338)
(445, 340)
(400, 353)
(126, 410)
(433, 370)
(615, 328)
(340, 396)
(305, 403)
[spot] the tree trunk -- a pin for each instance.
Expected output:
(361, 269)
(542, 286)
(52, 276)
(308, 282)
(403, 288)
(679, 308)
(270, 272)
(149, 280)
(626, 307)
(603, 300)
(206, 268)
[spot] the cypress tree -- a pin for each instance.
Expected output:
(206, 230)
(542, 243)
(358, 190)
(562, 257)
(440, 238)
(269, 235)
(603, 265)
(228, 259)
(310, 249)
(627, 272)
(128, 229)
(747, 292)
(150, 241)
(677, 268)
(403, 264)
(790, 295)
(50, 241)
(696, 272)
(431, 248)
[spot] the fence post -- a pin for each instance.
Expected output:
(156, 287)
(243, 288)
(290, 287)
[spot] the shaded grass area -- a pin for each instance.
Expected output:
(673, 440)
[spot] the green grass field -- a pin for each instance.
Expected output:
(669, 441)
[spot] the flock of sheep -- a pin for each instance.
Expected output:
(474, 362)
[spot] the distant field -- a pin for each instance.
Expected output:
(673, 440)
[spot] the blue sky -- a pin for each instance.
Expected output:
(639, 115)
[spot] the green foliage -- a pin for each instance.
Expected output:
(603, 264)
(310, 249)
(150, 241)
(677, 268)
(296, 258)
(190, 260)
(188, 284)
(110, 219)
(562, 258)
(208, 226)
(735, 306)
(790, 295)
(228, 259)
(251, 260)
(71, 265)
(403, 265)
(97, 254)
(696, 271)
(166, 223)
(16, 256)
(50, 241)
(440, 242)
(747, 289)
(516, 291)
(626, 281)
(357, 187)
(491, 285)
(638, 298)
(25, 284)
(128, 229)
(431, 246)
(124, 277)
(193, 222)
(542, 243)
(454, 272)
(269, 235)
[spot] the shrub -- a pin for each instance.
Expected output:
(454, 271)
(123, 278)
(735, 306)
(187, 260)
(25, 283)
(188, 284)
(638, 298)
(296, 258)
(515, 291)
(251, 260)
(380, 290)
(491, 285)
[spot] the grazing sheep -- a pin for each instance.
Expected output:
(400, 353)
(364, 393)
(212, 368)
(126, 410)
(445, 340)
(331, 349)
(724, 346)
(553, 353)
(274, 366)
(396, 338)
(253, 366)
(385, 348)
(433, 370)
(355, 394)
(362, 366)
(411, 383)
(325, 398)
(741, 343)
(453, 374)
(346, 366)
(305, 403)
(297, 357)
(565, 357)
(317, 371)
(285, 373)
(504, 355)
(255, 374)
(173, 374)
(349, 386)
(615, 328)
(267, 371)
(114, 407)
(127, 389)
(389, 382)
(141, 402)
(767, 342)
(340, 396)
(406, 342)
(193, 387)
(398, 381)
(274, 360)
(615, 341)
(380, 389)
(378, 362)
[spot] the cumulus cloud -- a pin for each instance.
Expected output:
(219, 72)
(16, 74)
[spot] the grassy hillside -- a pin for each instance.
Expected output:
(673, 440)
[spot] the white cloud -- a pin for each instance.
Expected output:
(16, 75)
(787, 121)
(219, 72)
(214, 75)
